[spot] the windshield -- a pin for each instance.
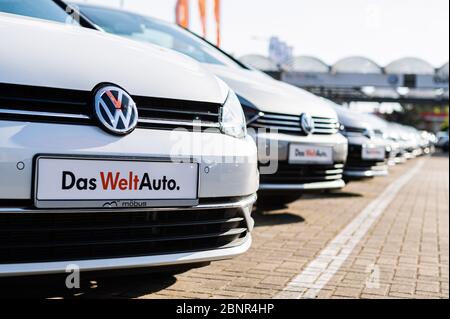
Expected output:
(164, 34)
(41, 9)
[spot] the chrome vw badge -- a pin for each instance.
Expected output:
(115, 110)
(306, 123)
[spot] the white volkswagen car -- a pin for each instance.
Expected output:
(92, 172)
(300, 147)
(368, 154)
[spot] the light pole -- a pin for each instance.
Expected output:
(122, 2)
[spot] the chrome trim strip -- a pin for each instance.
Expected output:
(282, 117)
(48, 114)
(280, 128)
(242, 203)
(309, 186)
(336, 171)
(278, 122)
(85, 117)
(151, 109)
(325, 120)
(14, 270)
(368, 173)
(329, 131)
(180, 123)
(330, 126)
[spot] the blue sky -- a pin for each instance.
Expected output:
(383, 30)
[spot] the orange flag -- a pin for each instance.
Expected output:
(182, 13)
(217, 14)
(202, 9)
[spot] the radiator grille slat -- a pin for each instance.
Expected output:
(46, 237)
(290, 124)
(302, 174)
(50, 105)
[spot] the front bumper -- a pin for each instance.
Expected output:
(359, 168)
(285, 176)
(38, 242)
(227, 166)
(337, 184)
(379, 171)
(48, 268)
(44, 241)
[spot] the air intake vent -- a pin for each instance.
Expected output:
(49, 237)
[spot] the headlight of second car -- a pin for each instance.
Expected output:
(232, 118)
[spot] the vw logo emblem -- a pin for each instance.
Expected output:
(115, 110)
(306, 123)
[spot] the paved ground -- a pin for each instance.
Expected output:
(403, 254)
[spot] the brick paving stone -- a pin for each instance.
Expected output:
(403, 288)
(410, 240)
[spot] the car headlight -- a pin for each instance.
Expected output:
(232, 118)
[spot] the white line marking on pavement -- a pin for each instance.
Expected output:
(322, 269)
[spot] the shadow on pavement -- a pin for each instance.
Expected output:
(270, 218)
(337, 194)
(119, 287)
(441, 154)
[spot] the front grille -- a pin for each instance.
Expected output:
(356, 162)
(44, 237)
(304, 174)
(356, 130)
(50, 105)
(290, 124)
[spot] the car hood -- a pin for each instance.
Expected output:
(376, 122)
(41, 53)
(269, 95)
(352, 119)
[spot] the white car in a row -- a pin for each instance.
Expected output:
(92, 172)
(297, 133)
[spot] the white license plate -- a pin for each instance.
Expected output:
(114, 183)
(310, 154)
(373, 153)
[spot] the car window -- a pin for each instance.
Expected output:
(41, 9)
(146, 29)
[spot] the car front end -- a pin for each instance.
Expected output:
(300, 147)
(305, 161)
(311, 159)
(105, 166)
(368, 155)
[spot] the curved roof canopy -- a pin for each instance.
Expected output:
(410, 66)
(309, 64)
(259, 62)
(356, 65)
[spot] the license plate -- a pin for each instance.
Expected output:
(310, 154)
(114, 183)
(373, 153)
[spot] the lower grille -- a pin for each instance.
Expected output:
(46, 237)
(356, 162)
(303, 174)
